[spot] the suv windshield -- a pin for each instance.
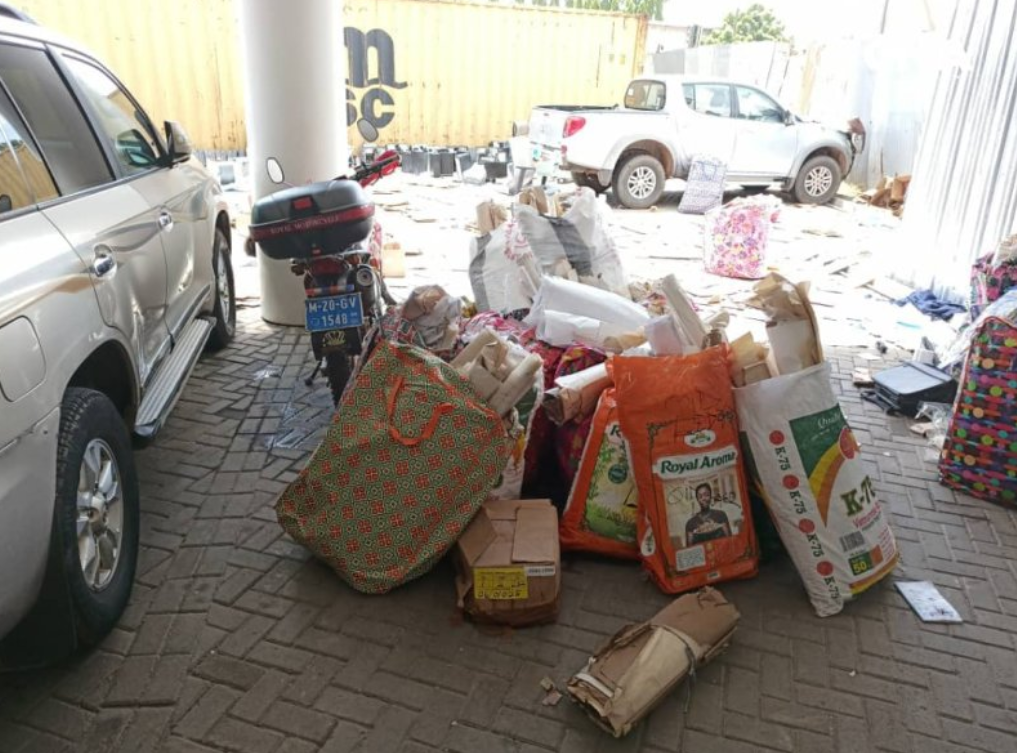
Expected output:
(645, 95)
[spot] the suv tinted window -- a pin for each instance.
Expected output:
(63, 134)
(713, 99)
(124, 126)
(754, 105)
(24, 178)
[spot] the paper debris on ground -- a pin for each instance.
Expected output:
(862, 377)
(927, 602)
(552, 696)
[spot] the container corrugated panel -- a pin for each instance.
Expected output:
(963, 196)
(181, 60)
(427, 71)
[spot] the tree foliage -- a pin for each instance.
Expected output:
(652, 8)
(753, 24)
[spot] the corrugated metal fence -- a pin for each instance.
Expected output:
(431, 71)
(963, 198)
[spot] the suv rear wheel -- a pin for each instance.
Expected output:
(817, 181)
(96, 511)
(639, 182)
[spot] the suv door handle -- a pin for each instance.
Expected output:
(165, 221)
(103, 263)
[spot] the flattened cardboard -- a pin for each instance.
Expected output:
(510, 539)
(642, 663)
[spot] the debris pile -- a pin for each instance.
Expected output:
(889, 193)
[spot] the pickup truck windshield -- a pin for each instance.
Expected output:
(645, 95)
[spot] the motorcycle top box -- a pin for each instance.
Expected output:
(307, 221)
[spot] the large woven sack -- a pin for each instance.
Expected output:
(980, 453)
(816, 486)
(410, 456)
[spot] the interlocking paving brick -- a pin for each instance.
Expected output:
(529, 727)
(253, 704)
(346, 738)
(197, 723)
(229, 671)
(235, 735)
(298, 721)
(236, 640)
(63, 719)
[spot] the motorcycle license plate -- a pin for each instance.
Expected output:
(334, 312)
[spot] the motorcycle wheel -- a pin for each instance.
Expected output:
(338, 367)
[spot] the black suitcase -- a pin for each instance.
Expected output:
(902, 388)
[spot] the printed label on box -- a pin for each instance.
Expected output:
(500, 583)
(540, 571)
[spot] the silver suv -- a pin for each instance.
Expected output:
(114, 274)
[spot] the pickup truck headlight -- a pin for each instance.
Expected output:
(858, 141)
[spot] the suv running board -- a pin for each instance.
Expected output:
(170, 378)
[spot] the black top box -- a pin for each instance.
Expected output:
(305, 221)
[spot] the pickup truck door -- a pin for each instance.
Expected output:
(765, 146)
(708, 127)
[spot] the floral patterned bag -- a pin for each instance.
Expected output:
(737, 235)
(411, 455)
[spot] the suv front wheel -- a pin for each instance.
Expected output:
(817, 181)
(225, 310)
(96, 511)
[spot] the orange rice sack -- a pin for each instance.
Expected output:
(678, 415)
(601, 513)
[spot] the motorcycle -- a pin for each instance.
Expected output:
(321, 228)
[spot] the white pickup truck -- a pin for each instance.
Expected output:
(665, 121)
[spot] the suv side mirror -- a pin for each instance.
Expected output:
(789, 118)
(178, 144)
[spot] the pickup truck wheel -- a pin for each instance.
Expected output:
(817, 181)
(639, 182)
(96, 512)
(225, 310)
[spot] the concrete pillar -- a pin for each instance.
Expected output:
(294, 71)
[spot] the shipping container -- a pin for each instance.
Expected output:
(424, 71)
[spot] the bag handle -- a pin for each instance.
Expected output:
(429, 428)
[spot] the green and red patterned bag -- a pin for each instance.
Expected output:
(411, 455)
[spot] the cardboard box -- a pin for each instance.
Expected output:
(509, 565)
(642, 663)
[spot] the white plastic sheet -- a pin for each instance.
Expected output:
(566, 311)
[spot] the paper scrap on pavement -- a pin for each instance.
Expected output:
(862, 377)
(927, 601)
